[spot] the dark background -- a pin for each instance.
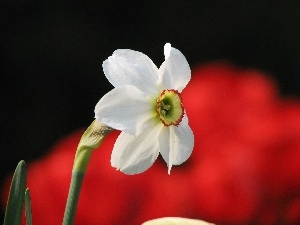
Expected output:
(52, 53)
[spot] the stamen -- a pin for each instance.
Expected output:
(166, 107)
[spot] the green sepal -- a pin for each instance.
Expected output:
(90, 140)
(16, 196)
(28, 207)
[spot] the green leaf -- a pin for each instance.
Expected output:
(28, 207)
(16, 196)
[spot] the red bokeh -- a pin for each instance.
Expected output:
(245, 167)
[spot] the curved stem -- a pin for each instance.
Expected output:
(90, 140)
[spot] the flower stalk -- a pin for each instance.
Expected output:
(90, 140)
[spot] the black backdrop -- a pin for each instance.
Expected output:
(51, 55)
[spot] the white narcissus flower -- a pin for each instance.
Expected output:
(147, 107)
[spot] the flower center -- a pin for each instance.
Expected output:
(169, 107)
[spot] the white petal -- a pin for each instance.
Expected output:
(135, 154)
(175, 72)
(183, 143)
(128, 67)
(164, 144)
(125, 108)
(167, 50)
(176, 143)
(175, 221)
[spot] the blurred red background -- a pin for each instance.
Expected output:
(245, 167)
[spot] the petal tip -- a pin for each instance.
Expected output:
(167, 50)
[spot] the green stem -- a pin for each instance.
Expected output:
(90, 140)
(74, 191)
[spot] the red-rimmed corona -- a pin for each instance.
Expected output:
(169, 107)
